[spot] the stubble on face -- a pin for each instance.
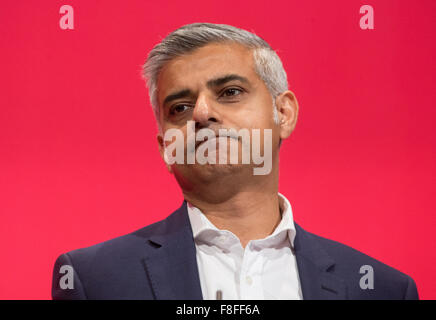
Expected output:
(252, 110)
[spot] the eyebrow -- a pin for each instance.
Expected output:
(210, 84)
(224, 79)
(177, 95)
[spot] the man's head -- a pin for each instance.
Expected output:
(220, 77)
(194, 36)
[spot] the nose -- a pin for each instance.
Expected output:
(204, 112)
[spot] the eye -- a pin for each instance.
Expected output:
(178, 108)
(231, 92)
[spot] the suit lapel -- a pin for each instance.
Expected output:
(315, 268)
(171, 264)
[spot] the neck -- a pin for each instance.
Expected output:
(250, 211)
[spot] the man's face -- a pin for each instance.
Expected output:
(217, 87)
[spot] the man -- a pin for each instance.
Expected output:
(234, 235)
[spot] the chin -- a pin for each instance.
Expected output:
(215, 172)
(219, 169)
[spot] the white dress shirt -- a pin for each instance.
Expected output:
(264, 269)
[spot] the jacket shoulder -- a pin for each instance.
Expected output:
(366, 277)
(119, 246)
(110, 269)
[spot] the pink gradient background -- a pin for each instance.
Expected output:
(79, 162)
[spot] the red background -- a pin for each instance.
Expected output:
(79, 162)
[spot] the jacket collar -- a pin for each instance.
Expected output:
(171, 263)
(315, 269)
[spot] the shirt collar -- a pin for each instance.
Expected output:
(203, 230)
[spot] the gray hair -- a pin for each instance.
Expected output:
(196, 35)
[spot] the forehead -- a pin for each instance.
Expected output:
(211, 61)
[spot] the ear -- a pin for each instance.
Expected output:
(161, 144)
(287, 107)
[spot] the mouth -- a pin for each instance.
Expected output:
(197, 143)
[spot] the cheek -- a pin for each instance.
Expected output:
(260, 116)
(262, 109)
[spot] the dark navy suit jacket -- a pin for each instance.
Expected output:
(159, 262)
